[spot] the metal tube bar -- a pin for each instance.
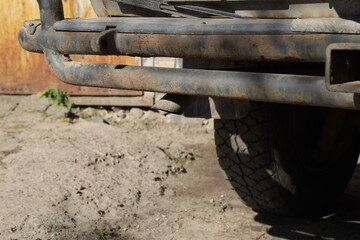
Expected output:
(175, 103)
(63, 42)
(51, 11)
(290, 48)
(303, 90)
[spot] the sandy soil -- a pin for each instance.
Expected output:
(120, 174)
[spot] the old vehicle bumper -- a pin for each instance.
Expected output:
(235, 39)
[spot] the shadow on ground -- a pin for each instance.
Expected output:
(344, 224)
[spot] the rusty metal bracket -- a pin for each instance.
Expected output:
(104, 41)
(343, 68)
(51, 11)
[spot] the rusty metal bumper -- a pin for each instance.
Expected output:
(234, 39)
(251, 40)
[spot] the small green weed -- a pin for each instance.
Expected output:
(183, 157)
(174, 170)
(104, 232)
(85, 116)
(195, 153)
(56, 97)
(68, 120)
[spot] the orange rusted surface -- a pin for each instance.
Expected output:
(22, 72)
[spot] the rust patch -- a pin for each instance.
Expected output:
(22, 72)
(285, 47)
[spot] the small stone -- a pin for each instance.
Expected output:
(102, 113)
(226, 207)
(98, 119)
(152, 116)
(121, 114)
(136, 112)
(179, 120)
(110, 116)
(163, 112)
(88, 112)
(162, 190)
(101, 213)
(210, 126)
(205, 122)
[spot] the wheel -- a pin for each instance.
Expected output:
(289, 160)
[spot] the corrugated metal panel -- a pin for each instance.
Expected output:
(22, 72)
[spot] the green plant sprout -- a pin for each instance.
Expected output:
(56, 97)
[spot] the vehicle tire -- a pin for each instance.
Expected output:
(289, 160)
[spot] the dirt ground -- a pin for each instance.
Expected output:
(97, 174)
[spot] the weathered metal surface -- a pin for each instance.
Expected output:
(175, 103)
(104, 8)
(292, 89)
(147, 99)
(285, 47)
(22, 72)
(153, 5)
(342, 67)
(207, 26)
(281, 88)
(288, 9)
(252, 8)
(177, 9)
(327, 25)
(281, 47)
(51, 11)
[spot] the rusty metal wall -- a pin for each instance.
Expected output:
(22, 72)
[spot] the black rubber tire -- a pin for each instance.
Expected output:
(272, 160)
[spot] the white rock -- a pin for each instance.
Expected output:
(136, 112)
